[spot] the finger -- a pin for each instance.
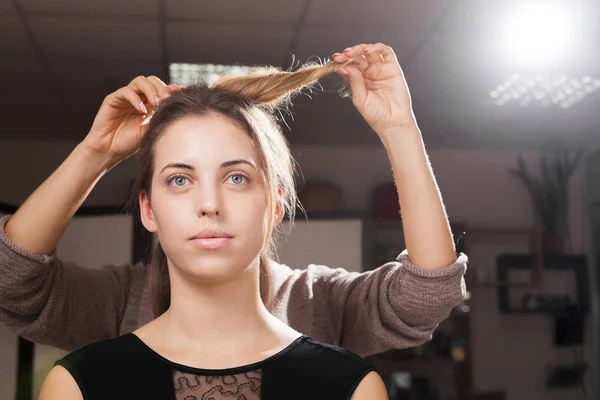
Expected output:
(174, 87)
(128, 94)
(340, 58)
(374, 58)
(357, 82)
(356, 51)
(361, 63)
(143, 86)
(370, 58)
(386, 52)
(160, 86)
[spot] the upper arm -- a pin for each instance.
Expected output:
(60, 385)
(42, 299)
(371, 387)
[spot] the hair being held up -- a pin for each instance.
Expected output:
(277, 88)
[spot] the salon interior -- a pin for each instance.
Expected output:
(507, 97)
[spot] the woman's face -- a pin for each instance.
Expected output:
(207, 181)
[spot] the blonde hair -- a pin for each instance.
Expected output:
(250, 101)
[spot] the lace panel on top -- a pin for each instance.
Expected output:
(243, 386)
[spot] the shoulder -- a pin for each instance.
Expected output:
(336, 353)
(108, 355)
(114, 360)
(327, 362)
(322, 370)
(371, 387)
(60, 385)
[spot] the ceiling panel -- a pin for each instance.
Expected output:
(474, 16)
(29, 102)
(6, 6)
(19, 44)
(90, 38)
(270, 12)
(332, 26)
(23, 73)
(402, 14)
(85, 84)
(448, 49)
(326, 118)
(454, 68)
(91, 7)
(227, 44)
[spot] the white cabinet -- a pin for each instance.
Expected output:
(332, 242)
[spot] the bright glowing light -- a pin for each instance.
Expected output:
(536, 32)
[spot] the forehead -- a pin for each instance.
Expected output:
(211, 138)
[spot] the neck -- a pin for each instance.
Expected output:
(228, 313)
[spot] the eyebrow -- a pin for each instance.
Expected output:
(191, 168)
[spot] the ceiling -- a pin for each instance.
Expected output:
(60, 58)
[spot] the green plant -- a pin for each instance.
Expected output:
(550, 191)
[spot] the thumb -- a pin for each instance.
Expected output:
(357, 82)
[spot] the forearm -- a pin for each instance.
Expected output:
(425, 223)
(40, 222)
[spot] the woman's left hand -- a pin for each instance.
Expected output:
(379, 90)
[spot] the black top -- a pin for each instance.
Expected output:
(125, 368)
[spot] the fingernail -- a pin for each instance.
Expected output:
(348, 49)
(343, 71)
(143, 108)
(157, 100)
(165, 95)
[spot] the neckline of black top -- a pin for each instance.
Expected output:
(223, 371)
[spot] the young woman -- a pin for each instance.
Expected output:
(216, 179)
(397, 305)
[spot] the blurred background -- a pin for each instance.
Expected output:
(506, 94)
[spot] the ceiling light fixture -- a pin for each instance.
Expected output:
(185, 74)
(543, 90)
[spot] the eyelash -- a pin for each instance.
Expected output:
(246, 177)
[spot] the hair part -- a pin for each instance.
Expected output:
(249, 101)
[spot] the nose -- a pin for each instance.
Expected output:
(209, 201)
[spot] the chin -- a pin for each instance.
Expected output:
(215, 268)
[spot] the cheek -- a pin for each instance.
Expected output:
(251, 211)
(170, 217)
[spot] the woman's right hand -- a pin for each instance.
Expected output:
(121, 121)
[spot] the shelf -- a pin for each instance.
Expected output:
(508, 262)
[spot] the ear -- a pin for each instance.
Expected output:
(146, 213)
(279, 207)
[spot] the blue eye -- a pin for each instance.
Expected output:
(178, 179)
(238, 179)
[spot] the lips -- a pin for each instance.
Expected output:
(211, 239)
